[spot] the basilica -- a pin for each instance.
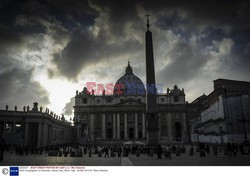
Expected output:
(118, 118)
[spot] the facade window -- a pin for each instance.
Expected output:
(122, 135)
(178, 134)
(9, 127)
(140, 134)
(122, 119)
(139, 119)
(17, 127)
(176, 99)
(162, 100)
(109, 118)
(131, 117)
(121, 100)
(139, 99)
(84, 100)
(98, 101)
(131, 132)
(110, 133)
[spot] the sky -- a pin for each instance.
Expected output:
(49, 49)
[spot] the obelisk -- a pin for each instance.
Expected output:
(151, 109)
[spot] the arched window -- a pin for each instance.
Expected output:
(176, 98)
(84, 100)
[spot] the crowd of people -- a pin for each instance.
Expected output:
(166, 151)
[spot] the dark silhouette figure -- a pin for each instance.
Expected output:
(167, 152)
(106, 152)
(2, 148)
(207, 149)
(202, 150)
(191, 151)
(159, 151)
(229, 149)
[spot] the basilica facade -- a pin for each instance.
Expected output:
(117, 118)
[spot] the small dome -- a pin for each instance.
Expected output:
(129, 84)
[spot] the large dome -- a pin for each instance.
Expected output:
(129, 84)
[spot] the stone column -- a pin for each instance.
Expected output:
(136, 125)
(125, 126)
(114, 126)
(78, 132)
(92, 118)
(184, 131)
(26, 135)
(45, 134)
(103, 126)
(40, 135)
(118, 126)
(169, 121)
(143, 126)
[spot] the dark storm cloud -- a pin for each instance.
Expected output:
(84, 49)
(183, 18)
(98, 31)
(18, 88)
(9, 38)
(186, 63)
(90, 47)
(231, 12)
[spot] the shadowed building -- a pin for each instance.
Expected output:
(132, 112)
(226, 115)
(34, 128)
(117, 118)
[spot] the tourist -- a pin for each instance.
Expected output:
(234, 149)
(159, 151)
(191, 151)
(202, 150)
(229, 149)
(168, 152)
(106, 152)
(207, 149)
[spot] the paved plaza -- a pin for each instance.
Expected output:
(143, 160)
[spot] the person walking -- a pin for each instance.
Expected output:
(229, 149)
(207, 149)
(191, 151)
(159, 151)
(202, 150)
(168, 152)
(106, 152)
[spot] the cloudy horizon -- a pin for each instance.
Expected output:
(50, 49)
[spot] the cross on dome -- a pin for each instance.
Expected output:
(129, 69)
